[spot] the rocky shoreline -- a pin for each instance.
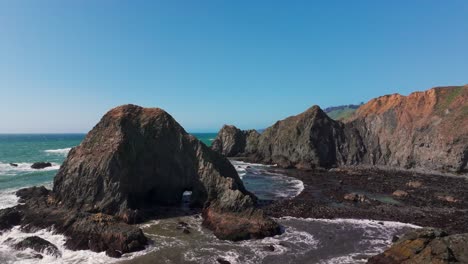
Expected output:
(426, 200)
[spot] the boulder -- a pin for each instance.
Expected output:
(41, 165)
(426, 245)
(414, 184)
(448, 198)
(9, 217)
(354, 197)
(38, 244)
(13, 164)
(400, 193)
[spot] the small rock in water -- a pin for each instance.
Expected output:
(181, 225)
(186, 231)
(38, 244)
(270, 248)
(395, 239)
(38, 256)
(113, 253)
(13, 164)
(381, 223)
(41, 165)
(222, 261)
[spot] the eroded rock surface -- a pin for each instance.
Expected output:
(426, 246)
(136, 158)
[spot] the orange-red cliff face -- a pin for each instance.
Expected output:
(422, 130)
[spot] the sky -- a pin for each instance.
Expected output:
(63, 64)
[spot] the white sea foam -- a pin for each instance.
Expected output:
(9, 255)
(7, 170)
(63, 151)
(8, 198)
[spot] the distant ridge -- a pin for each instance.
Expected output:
(341, 111)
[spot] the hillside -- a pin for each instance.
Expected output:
(341, 112)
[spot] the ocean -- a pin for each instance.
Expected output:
(303, 240)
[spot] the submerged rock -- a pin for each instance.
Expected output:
(38, 244)
(426, 245)
(41, 165)
(13, 164)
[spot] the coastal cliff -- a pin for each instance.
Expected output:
(425, 130)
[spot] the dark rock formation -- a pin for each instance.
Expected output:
(38, 244)
(13, 164)
(426, 246)
(308, 140)
(425, 130)
(41, 165)
(232, 141)
(84, 230)
(9, 217)
(136, 158)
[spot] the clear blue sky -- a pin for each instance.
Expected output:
(63, 64)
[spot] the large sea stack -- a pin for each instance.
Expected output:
(425, 130)
(134, 161)
(138, 158)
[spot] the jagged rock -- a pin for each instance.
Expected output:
(84, 230)
(426, 245)
(41, 165)
(137, 158)
(308, 140)
(38, 244)
(232, 141)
